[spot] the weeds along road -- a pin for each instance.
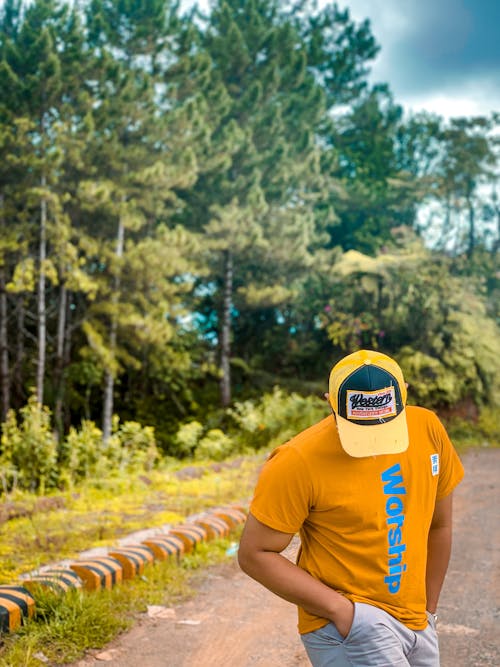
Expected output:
(234, 622)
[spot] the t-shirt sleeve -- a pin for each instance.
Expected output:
(282, 497)
(451, 469)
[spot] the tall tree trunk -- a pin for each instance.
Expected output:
(67, 355)
(4, 349)
(4, 340)
(42, 311)
(109, 378)
(58, 372)
(496, 208)
(446, 235)
(472, 227)
(225, 354)
(17, 379)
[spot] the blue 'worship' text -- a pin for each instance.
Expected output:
(394, 491)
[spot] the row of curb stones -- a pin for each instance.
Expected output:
(18, 602)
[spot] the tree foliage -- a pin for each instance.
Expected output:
(197, 207)
(408, 302)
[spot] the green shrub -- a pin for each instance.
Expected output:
(431, 382)
(29, 448)
(469, 433)
(215, 445)
(137, 446)
(85, 450)
(249, 425)
(277, 416)
(187, 437)
(489, 424)
(130, 447)
(462, 432)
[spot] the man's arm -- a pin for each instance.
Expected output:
(259, 556)
(438, 550)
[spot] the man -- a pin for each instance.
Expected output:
(369, 489)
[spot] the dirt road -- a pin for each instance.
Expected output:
(234, 622)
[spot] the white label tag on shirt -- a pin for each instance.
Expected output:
(371, 404)
(435, 464)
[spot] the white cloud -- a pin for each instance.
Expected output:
(470, 97)
(388, 22)
(432, 55)
(446, 106)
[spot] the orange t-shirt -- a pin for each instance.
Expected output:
(363, 522)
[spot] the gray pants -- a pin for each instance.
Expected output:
(376, 639)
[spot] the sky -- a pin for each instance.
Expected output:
(441, 56)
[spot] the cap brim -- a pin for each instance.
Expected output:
(372, 439)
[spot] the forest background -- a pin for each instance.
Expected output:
(201, 212)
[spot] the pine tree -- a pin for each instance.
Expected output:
(265, 127)
(146, 156)
(15, 153)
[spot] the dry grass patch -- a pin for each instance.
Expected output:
(99, 512)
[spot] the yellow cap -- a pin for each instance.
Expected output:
(368, 396)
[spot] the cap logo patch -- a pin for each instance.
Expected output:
(371, 404)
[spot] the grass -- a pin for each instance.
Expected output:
(97, 513)
(66, 626)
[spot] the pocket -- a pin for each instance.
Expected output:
(355, 621)
(329, 633)
(367, 623)
(431, 621)
(326, 638)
